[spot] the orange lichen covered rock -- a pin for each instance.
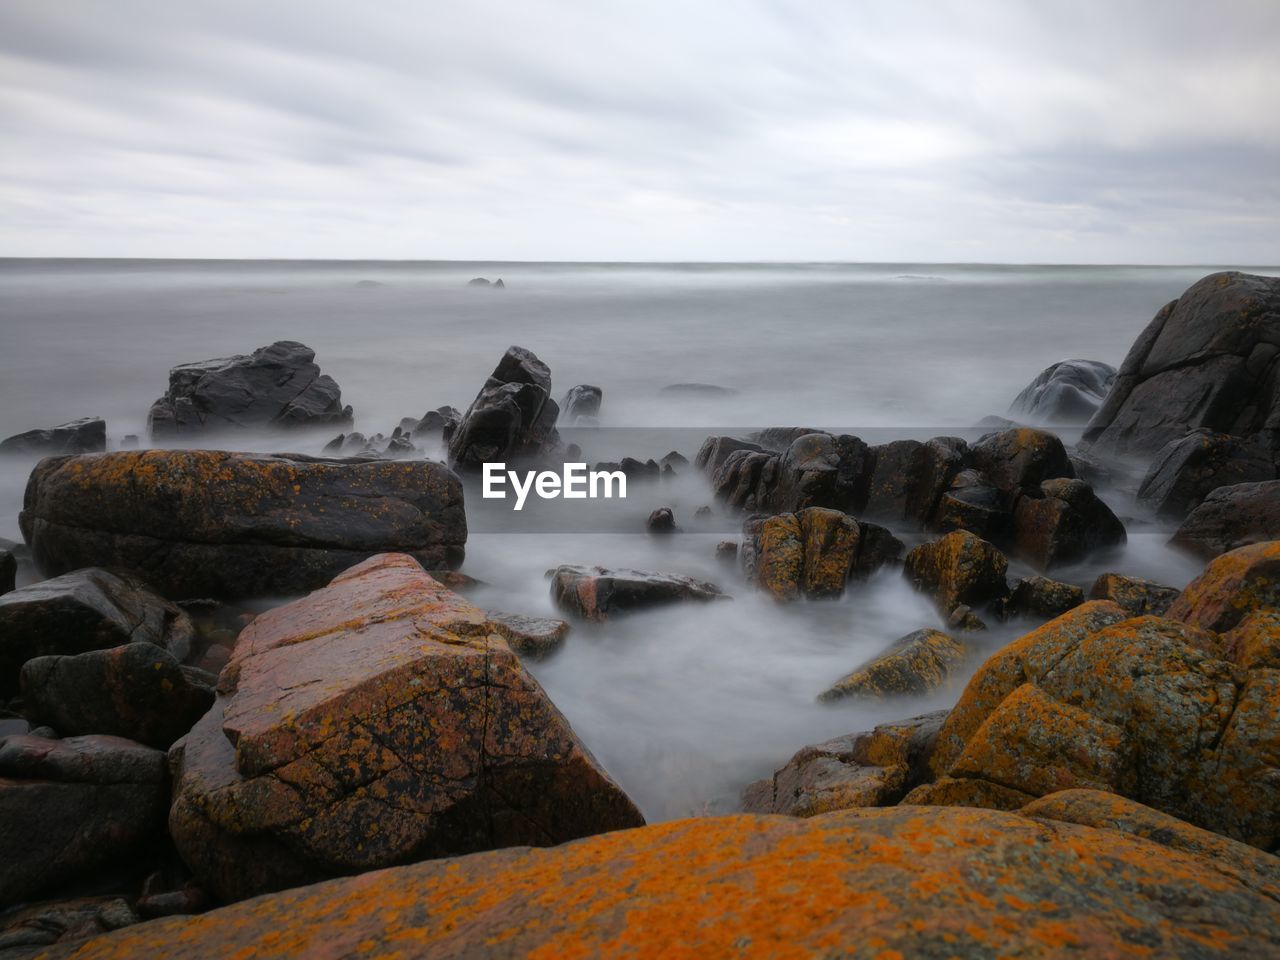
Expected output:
(958, 569)
(953, 792)
(917, 663)
(1138, 597)
(813, 552)
(899, 882)
(377, 721)
(780, 560)
(1231, 586)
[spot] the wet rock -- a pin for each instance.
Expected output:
(1232, 517)
(1068, 392)
(1232, 586)
(715, 450)
(821, 470)
(661, 521)
(512, 418)
(598, 593)
(639, 471)
(277, 386)
(88, 435)
(745, 479)
(1185, 471)
(979, 508)
(1138, 597)
(909, 477)
(1063, 523)
(8, 571)
(136, 691)
(676, 461)
(1042, 597)
(958, 568)
(814, 553)
(531, 637)
(435, 424)
(918, 663)
(727, 552)
(1021, 458)
(581, 401)
(207, 523)
(88, 609)
(71, 807)
(1207, 359)
(377, 721)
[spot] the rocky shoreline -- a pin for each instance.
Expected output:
(175, 740)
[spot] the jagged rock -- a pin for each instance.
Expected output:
(1021, 458)
(1138, 597)
(581, 401)
(676, 459)
(909, 477)
(1207, 359)
(1232, 517)
(276, 386)
(1232, 586)
(89, 609)
(977, 507)
(1063, 522)
(1068, 392)
(661, 521)
(512, 417)
(1042, 597)
(814, 552)
(440, 422)
(379, 720)
(918, 663)
(821, 470)
(958, 568)
(597, 593)
(87, 435)
(532, 637)
(1185, 471)
(715, 450)
(207, 523)
(137, 691)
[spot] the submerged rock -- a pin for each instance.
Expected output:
(207, 523)
(599, 593)
(1232, 517)
(512, 418)
(1068, 392)
(918, 663)
(88, 435)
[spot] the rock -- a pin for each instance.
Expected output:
(662, 521)
(952, 792)
(90, 609)
(27, 927)
(675, 459)
(478, 282)
(1068, 392)
(532, 637)
(88, 435)
(727, 552)
(71, 807)
(813, 553)
(1232, 517)
(1232, 586)
(909, 477)
(207, 523)
(137, 691)
(8, 571)
(1021, 458)
(820, 470)
(512, 418)
(277, 386)
(979, 508)
(698, 390)
(877, 549)
(918, 663)
(776, 552)
(1063, 523)
(1138, 597)
(379, 720)
(439, 422)
(715, 450)
(597, 593)
(958, 568)
(899, 882)
(1185, 471)
(1207, 359)
(581, 401)
(1042, 597)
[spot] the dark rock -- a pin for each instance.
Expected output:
(1186, 470)
(597, 593)
(727, 552)
(744, 479)
(532, 637)
(779, 439)
(581, 401)
(512, 418)
(27, 927)
(498, 284)
(1042, 597)
(400, 448)
(8, 571)
(675, 459)
(910, 477)
(276, 386)
(137, 691)
(979, 508)
(206, 523)
(1232, 517)
(478, 282)
(1068, 392)
(877, 548)
(130, 441)
(88, 435)
(1137, 597)
(715, 450)
(704, 512)
(699, 390)
(1022, 458)
(439, 422)
(1207, 359)
(89, 609)
(662, 520)
(918, 663)
(1063, 524)
(641, 471)
(822, 470)
(958, 568)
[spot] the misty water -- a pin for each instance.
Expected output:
(684, 706)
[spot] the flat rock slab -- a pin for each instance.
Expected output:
(598, 593)
(207, 523)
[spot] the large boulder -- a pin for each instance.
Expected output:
(1185, 471)
(920, 882)
(377, 721)
(277, 386)
(1207, 359)
(597, 593)
(1021, 458)
(71, 807)
(1232, 586)
(89, 609)
(87, 435)
(207, 523)
(512, 418)
(1063, 522)
(1066, 393)
(918, 663)
(1232, 517)
(910, 477)
(958, 569)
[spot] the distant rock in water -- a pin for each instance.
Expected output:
(484, 282)
(1068, 392)
(87, 435)
(369, 283)
(277, 386)
(581, 401)
(699, 390)
(512, 417)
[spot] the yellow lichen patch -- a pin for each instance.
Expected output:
(1231, 587)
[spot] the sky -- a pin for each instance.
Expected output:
(1040, 131)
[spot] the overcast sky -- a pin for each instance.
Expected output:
(951, 131)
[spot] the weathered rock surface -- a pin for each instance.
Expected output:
(956, 569)
(207, 523)
(1062, 523)
(1232, 586)
(813, 553)
(1208, 359)
(533, 637)
(1138, 597)
(581, 401)
(277, 386)
(1185, 471)
(1232, 517)
(910, 477)
(87, 435)
(137, 691)
(598, 593)
(1021, 458)
(1042, 597)
(918, 663)
(661, 521)
(69, 807)
(512, 418)
(907, 881)
(24, 929)
(1068, 392)
(89, 609)
(377, 721)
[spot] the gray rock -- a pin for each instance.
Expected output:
(88, 435)
(512, 418)
(1186, 470)
(1067, 393)
(1230, 517)
(581, 401)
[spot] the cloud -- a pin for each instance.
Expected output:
(1134, 132)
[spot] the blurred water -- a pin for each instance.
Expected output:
(683, 706)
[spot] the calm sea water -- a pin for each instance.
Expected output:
(683, 706)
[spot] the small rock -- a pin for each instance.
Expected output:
(581, 401)
(532, 637)
(598, 593)
(958, 568)
(1042, 597)
(918, 663)
(662, 521)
